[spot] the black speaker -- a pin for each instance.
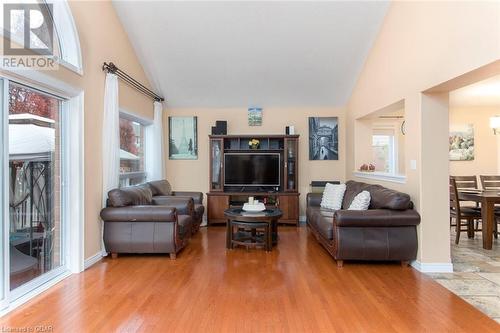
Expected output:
(287, 130)
(220, 127)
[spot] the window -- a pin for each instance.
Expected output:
(66, 42)
(35, 141)
(131, 151)
(384, 153)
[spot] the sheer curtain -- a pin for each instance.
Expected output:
(153, 156)
(110, 139)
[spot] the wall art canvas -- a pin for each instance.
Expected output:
(254, 116)
(323, 138)
(461, 142)
(182, 138)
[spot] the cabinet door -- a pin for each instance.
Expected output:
(289, 205)
(216, 166)
(291, 165)
(216, 205)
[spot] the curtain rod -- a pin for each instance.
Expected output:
(111, 68)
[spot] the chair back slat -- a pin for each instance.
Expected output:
(466, 182)
(454, 200)
(490, 182)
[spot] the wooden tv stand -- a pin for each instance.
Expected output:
(286, 196)
(218, 202)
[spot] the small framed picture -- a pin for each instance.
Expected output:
(254, 116)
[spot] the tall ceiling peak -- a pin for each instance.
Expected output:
(233, 54)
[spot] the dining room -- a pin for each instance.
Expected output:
(474, 167)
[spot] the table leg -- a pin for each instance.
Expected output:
(269, 237)
(488, 218)
(275, 231)
(229, 232)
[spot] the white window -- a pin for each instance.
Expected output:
(384, 152)
(132, 142)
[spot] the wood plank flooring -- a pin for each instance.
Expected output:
(296, 288)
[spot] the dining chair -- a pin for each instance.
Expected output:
(464, 216)
(492, 183)
(467, 183)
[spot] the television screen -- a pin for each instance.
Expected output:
(252, 169)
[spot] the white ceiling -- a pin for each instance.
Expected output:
(234, 54)
(483, 93)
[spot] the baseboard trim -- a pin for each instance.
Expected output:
(432, 267)
(93, 260)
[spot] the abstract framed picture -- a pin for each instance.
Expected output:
(461, 142)
(254, 116)
(182, 138)
(323, 138)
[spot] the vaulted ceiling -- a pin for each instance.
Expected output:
(236, 54)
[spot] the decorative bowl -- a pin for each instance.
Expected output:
(254, 208)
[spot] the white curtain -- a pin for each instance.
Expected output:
(110, 139)
(153, 156)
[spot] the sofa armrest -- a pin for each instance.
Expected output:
(376, 218)
(183, 205)
(314, 199)
(139, 214)
(197, 196)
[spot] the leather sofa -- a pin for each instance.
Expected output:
(135, 221)
(386, 231)
(162, 193)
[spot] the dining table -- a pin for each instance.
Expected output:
(487, 199)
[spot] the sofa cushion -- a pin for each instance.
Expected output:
(130, 196)
(360, 201)
(381, 197)
(333, 195)
(160, 187)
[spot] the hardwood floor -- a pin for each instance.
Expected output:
(295, 288)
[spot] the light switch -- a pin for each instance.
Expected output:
(413, 164)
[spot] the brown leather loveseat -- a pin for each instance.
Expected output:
(386, 231)
(140, 219)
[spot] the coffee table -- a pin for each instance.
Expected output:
(266, 220)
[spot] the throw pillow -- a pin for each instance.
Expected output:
(360, 201)
(333, 196)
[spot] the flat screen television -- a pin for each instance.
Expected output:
(252, 169)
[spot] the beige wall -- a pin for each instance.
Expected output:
(193, 175)
(102, 38)
(486, 148)
(421, 45)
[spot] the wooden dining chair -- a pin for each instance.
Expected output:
(467, 183)
(464, 216)
(490, 183)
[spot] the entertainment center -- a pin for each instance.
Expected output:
(261, 166)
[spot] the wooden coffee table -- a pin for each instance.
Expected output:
(266, 220)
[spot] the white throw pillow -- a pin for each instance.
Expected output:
(361, 201)
(333, 196)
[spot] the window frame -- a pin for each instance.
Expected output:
(125, 114)
(72, 181)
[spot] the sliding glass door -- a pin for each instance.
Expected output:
(34, 184)
(33, 231)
